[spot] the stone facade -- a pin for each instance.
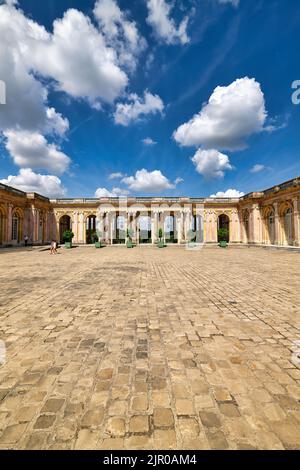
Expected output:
(25, 215)
(269, 217)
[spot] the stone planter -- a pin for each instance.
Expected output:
(161, 245)
(129, 244)
(68, 245)
(223, 244)
(98, 245)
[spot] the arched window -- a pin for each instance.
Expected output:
(16, 228)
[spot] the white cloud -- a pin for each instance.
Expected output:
(211, 163)
(149, 141)
(234, 193)
(257, 168)
(235, 3)
(232, 114)
(115, 176)
(26, 98)
(115, 192)
(137, 108)
(119, 32)
(79, 59)
(31, 150)
(145, 181)
(163, 25)
(28, 181)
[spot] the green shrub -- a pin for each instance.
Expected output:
(68, 236)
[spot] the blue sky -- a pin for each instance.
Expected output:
(124, 125)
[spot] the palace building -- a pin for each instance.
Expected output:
(270, 217)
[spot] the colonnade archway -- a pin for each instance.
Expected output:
(145, 234)
(198, 228)
(224, 223)
(65, 223)
(91, 229)
(170, 228)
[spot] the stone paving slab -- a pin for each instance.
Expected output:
(150, 349)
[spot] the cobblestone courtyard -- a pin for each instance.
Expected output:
(150, 349)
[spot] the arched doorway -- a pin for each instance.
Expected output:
(170, 229)
(145, 229)
(288, 226)
(91, 229)
(16, 232)
(224, 223)
(2, 226)
(64, 224)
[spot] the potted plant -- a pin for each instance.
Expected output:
(96, 239)
(223, 235)
(129, 243)
(160, 235)
(68, 236)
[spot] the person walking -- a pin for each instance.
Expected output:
(53, 250)
(26, 240)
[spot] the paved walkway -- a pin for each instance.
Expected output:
(150, 349)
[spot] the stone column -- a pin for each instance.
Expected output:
(111, 223)
(296, 216)
(255, 225)
(9, 222)
(75, 228)
(153, 225)
(81, 228)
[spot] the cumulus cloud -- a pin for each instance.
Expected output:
(28, 181)
(80, 61)
(31, 150)
(84, 60)
(119, 32)
(211, 163)
(148, 141)
(26, 98)
(163, 25)
(137, 108)
(232, 114)
(229, 193)
(257, 168)
(115, 192)
(145, 181)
